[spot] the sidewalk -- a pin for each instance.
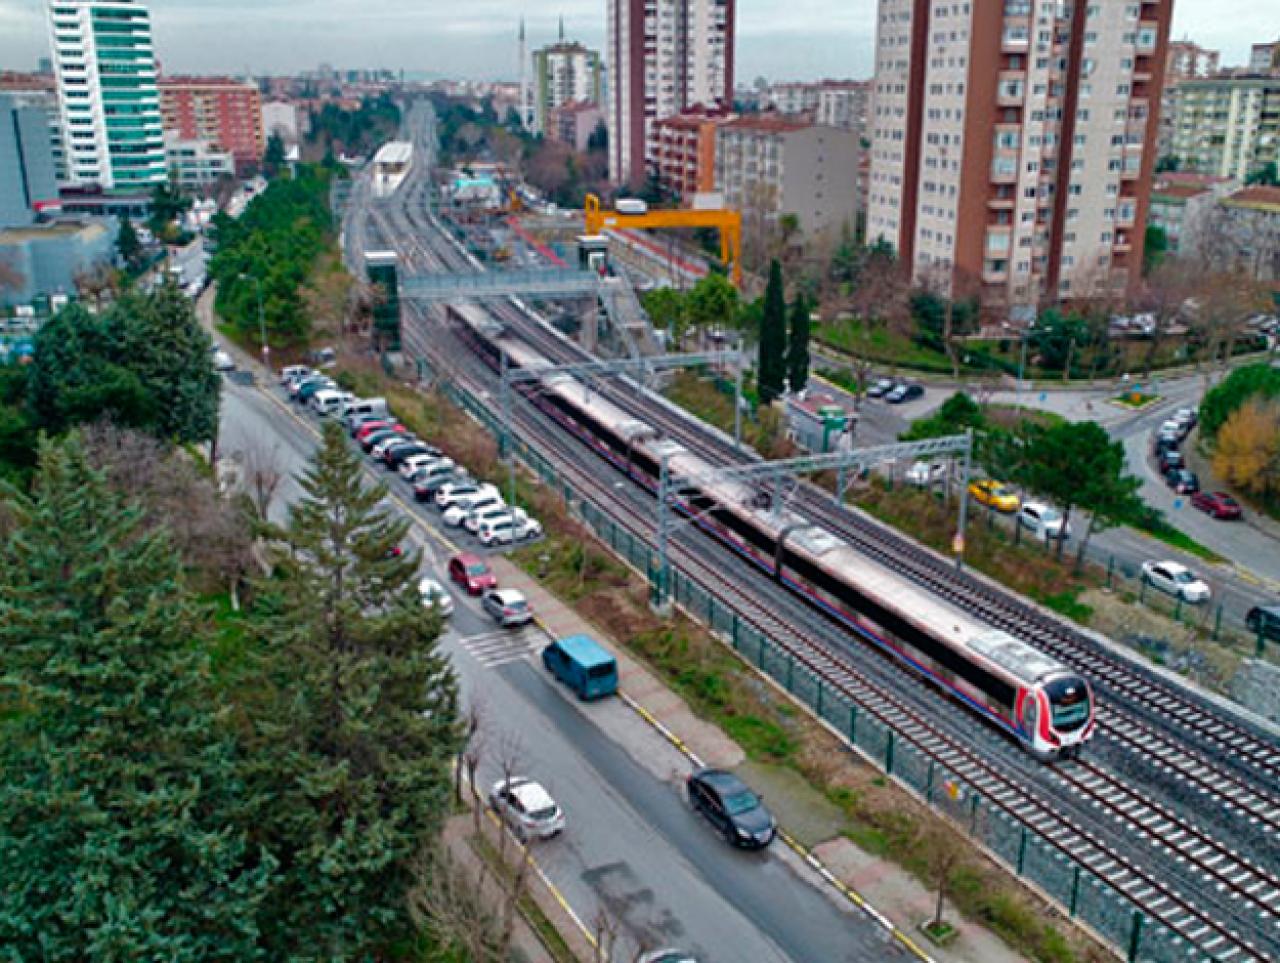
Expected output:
(800, 809)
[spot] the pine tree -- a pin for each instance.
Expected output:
(120, 805)
(798, 345)
(127, 244)
(357, 732)
(773, 337)
(158, 338)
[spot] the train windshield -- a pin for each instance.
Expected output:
(1069, 701)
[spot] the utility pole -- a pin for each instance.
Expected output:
(662, 576)
(262, 319)
(958, 543)
(508, 452)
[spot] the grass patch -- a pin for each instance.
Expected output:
(1166, 533)
(1068, 603)
(880, 345)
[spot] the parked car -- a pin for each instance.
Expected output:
(581, 663)
(1161, 445)
(1182, 480)
(395, 455)
(996, 494)
(435, 597)
(223, 361)
(328, 402)
(904, 393)
(1264, 620)
(1187, 417)
(410, 466)
(430, 480)
(731, 807)
(1217, 504)
(1170, 430)
(456, 514)
(471, 572)
(309, 386)
(922, 474)
(485, 515)
(1043, 520)
(1169, 460)
(294, 372)
(527, 808)
(378, 442)
(516, 527)
(881, 387)
(507, 607)
(369, 427)
(1176, 579)
(451, 492)
(354, 424)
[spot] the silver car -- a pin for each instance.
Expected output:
(435, 597)
(507, 607)
(527, 808)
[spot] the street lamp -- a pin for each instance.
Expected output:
(262, 319)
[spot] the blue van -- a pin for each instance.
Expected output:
(583, 665)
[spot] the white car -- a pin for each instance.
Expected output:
(223, 361)
(294, 372)
(456, 514)
(451, 492)
(527, 808)
(434, 596)
(1178, 580)
(415, 463)
(1043, 520)
(482, 515)
(922, 474)
(516, 527)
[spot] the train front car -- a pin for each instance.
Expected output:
(1070, 714)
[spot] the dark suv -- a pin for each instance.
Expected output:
(731, 807)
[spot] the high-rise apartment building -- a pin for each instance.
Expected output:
(1228, 125)
(1264, 58)
(1013, 142)
(664, 56)
(108, 103)
(563, 73)
(224, 113)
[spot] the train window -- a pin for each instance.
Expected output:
(1069, 702)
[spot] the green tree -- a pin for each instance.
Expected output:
(1265, 175)
(712, 300)
(127, 244)
(121, 819)
(1058, 338)
(158, 338)
(956, 414)
(350, 764)
(273, 157)
(74, 377)
(168, 203)
(798, 345)
(772, 373)
(1155, 245)
(1076, 464)
(1221, 401)
(667, 309)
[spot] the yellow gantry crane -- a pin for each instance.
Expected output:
(727, 222)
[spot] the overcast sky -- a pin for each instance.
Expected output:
(779, 39)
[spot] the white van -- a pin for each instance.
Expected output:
(365, 406)
(328, 402)
(293, 372)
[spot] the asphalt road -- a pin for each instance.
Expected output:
(633, 848)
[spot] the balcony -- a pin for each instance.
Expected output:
(998, 202)
(1122, 244)
(1146, 39)
(995, 271)
(1004, 171)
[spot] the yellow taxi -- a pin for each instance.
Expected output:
(996, 494)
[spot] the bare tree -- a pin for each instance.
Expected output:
(1163, 295)
(451, 906)
(944, 851)
(11, 279)
(262, 475)
(98, 285)
(474, 731)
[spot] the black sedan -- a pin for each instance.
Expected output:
(904, 393)
(1183, 481)
(732, 808)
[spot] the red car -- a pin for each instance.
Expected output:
(1217, 504)
(471, 572)
(369, 427)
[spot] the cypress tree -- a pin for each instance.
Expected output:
(773, 337)
(356, 732)
(120, 803)
(798, 345)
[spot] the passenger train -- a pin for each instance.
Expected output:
(1042, 703)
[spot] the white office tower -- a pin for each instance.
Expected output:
(109, 105)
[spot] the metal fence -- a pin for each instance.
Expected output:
(1080, 892)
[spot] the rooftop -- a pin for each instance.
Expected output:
(769, 123)
(1177, 192)
(43, 232)
(1190, 177)
(1257, 197)
(180, 80)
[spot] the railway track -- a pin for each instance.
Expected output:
(1248, 889)
(828, 661)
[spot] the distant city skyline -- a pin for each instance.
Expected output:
(779, 39)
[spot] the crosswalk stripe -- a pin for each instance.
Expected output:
(498, 648)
